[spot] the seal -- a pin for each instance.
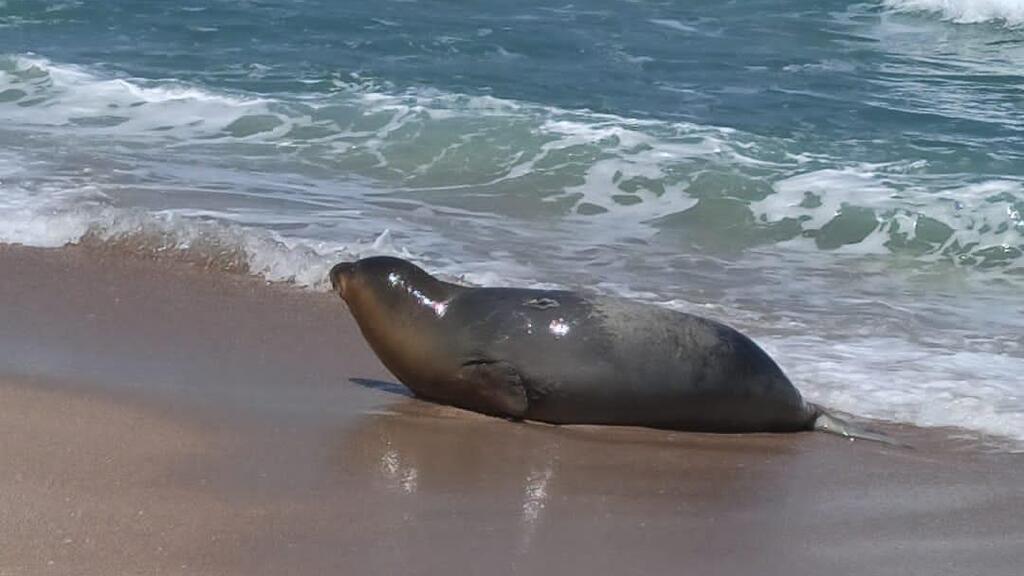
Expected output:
(564, 357)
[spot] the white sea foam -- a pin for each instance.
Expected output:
(978, 217)
(603, 167)
(1010, 12)
(601, 152)
(674, 25)
(52, 215)
(892, 379)
(67, 96)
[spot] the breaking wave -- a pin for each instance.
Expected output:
(709, 187)
(1007, 12)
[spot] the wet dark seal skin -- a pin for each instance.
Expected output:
(567, 358)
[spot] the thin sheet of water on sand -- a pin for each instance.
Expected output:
(156, 417)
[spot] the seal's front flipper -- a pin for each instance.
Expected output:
(494, 387)
(826, 422)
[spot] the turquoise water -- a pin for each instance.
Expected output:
(843, 181)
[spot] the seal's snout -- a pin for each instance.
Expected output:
(338, 274)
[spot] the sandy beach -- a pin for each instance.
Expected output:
(158, 418)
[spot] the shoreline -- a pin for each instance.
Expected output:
(257, 434)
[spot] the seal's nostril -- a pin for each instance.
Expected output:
(337, 271)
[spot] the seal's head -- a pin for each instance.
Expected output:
(398, 308)
(339, 275)
(390, 282)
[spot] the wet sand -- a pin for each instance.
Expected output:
(156, 418)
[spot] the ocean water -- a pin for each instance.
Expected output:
(843, 181)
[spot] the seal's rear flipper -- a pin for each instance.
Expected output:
(832, 424)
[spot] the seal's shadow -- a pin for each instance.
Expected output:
(383, 386)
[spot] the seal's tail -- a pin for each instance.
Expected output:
(827, 422)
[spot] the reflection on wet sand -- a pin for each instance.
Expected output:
(526, 494)
(535, 496)
(535, 480)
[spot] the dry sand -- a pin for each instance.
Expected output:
(160, 419)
